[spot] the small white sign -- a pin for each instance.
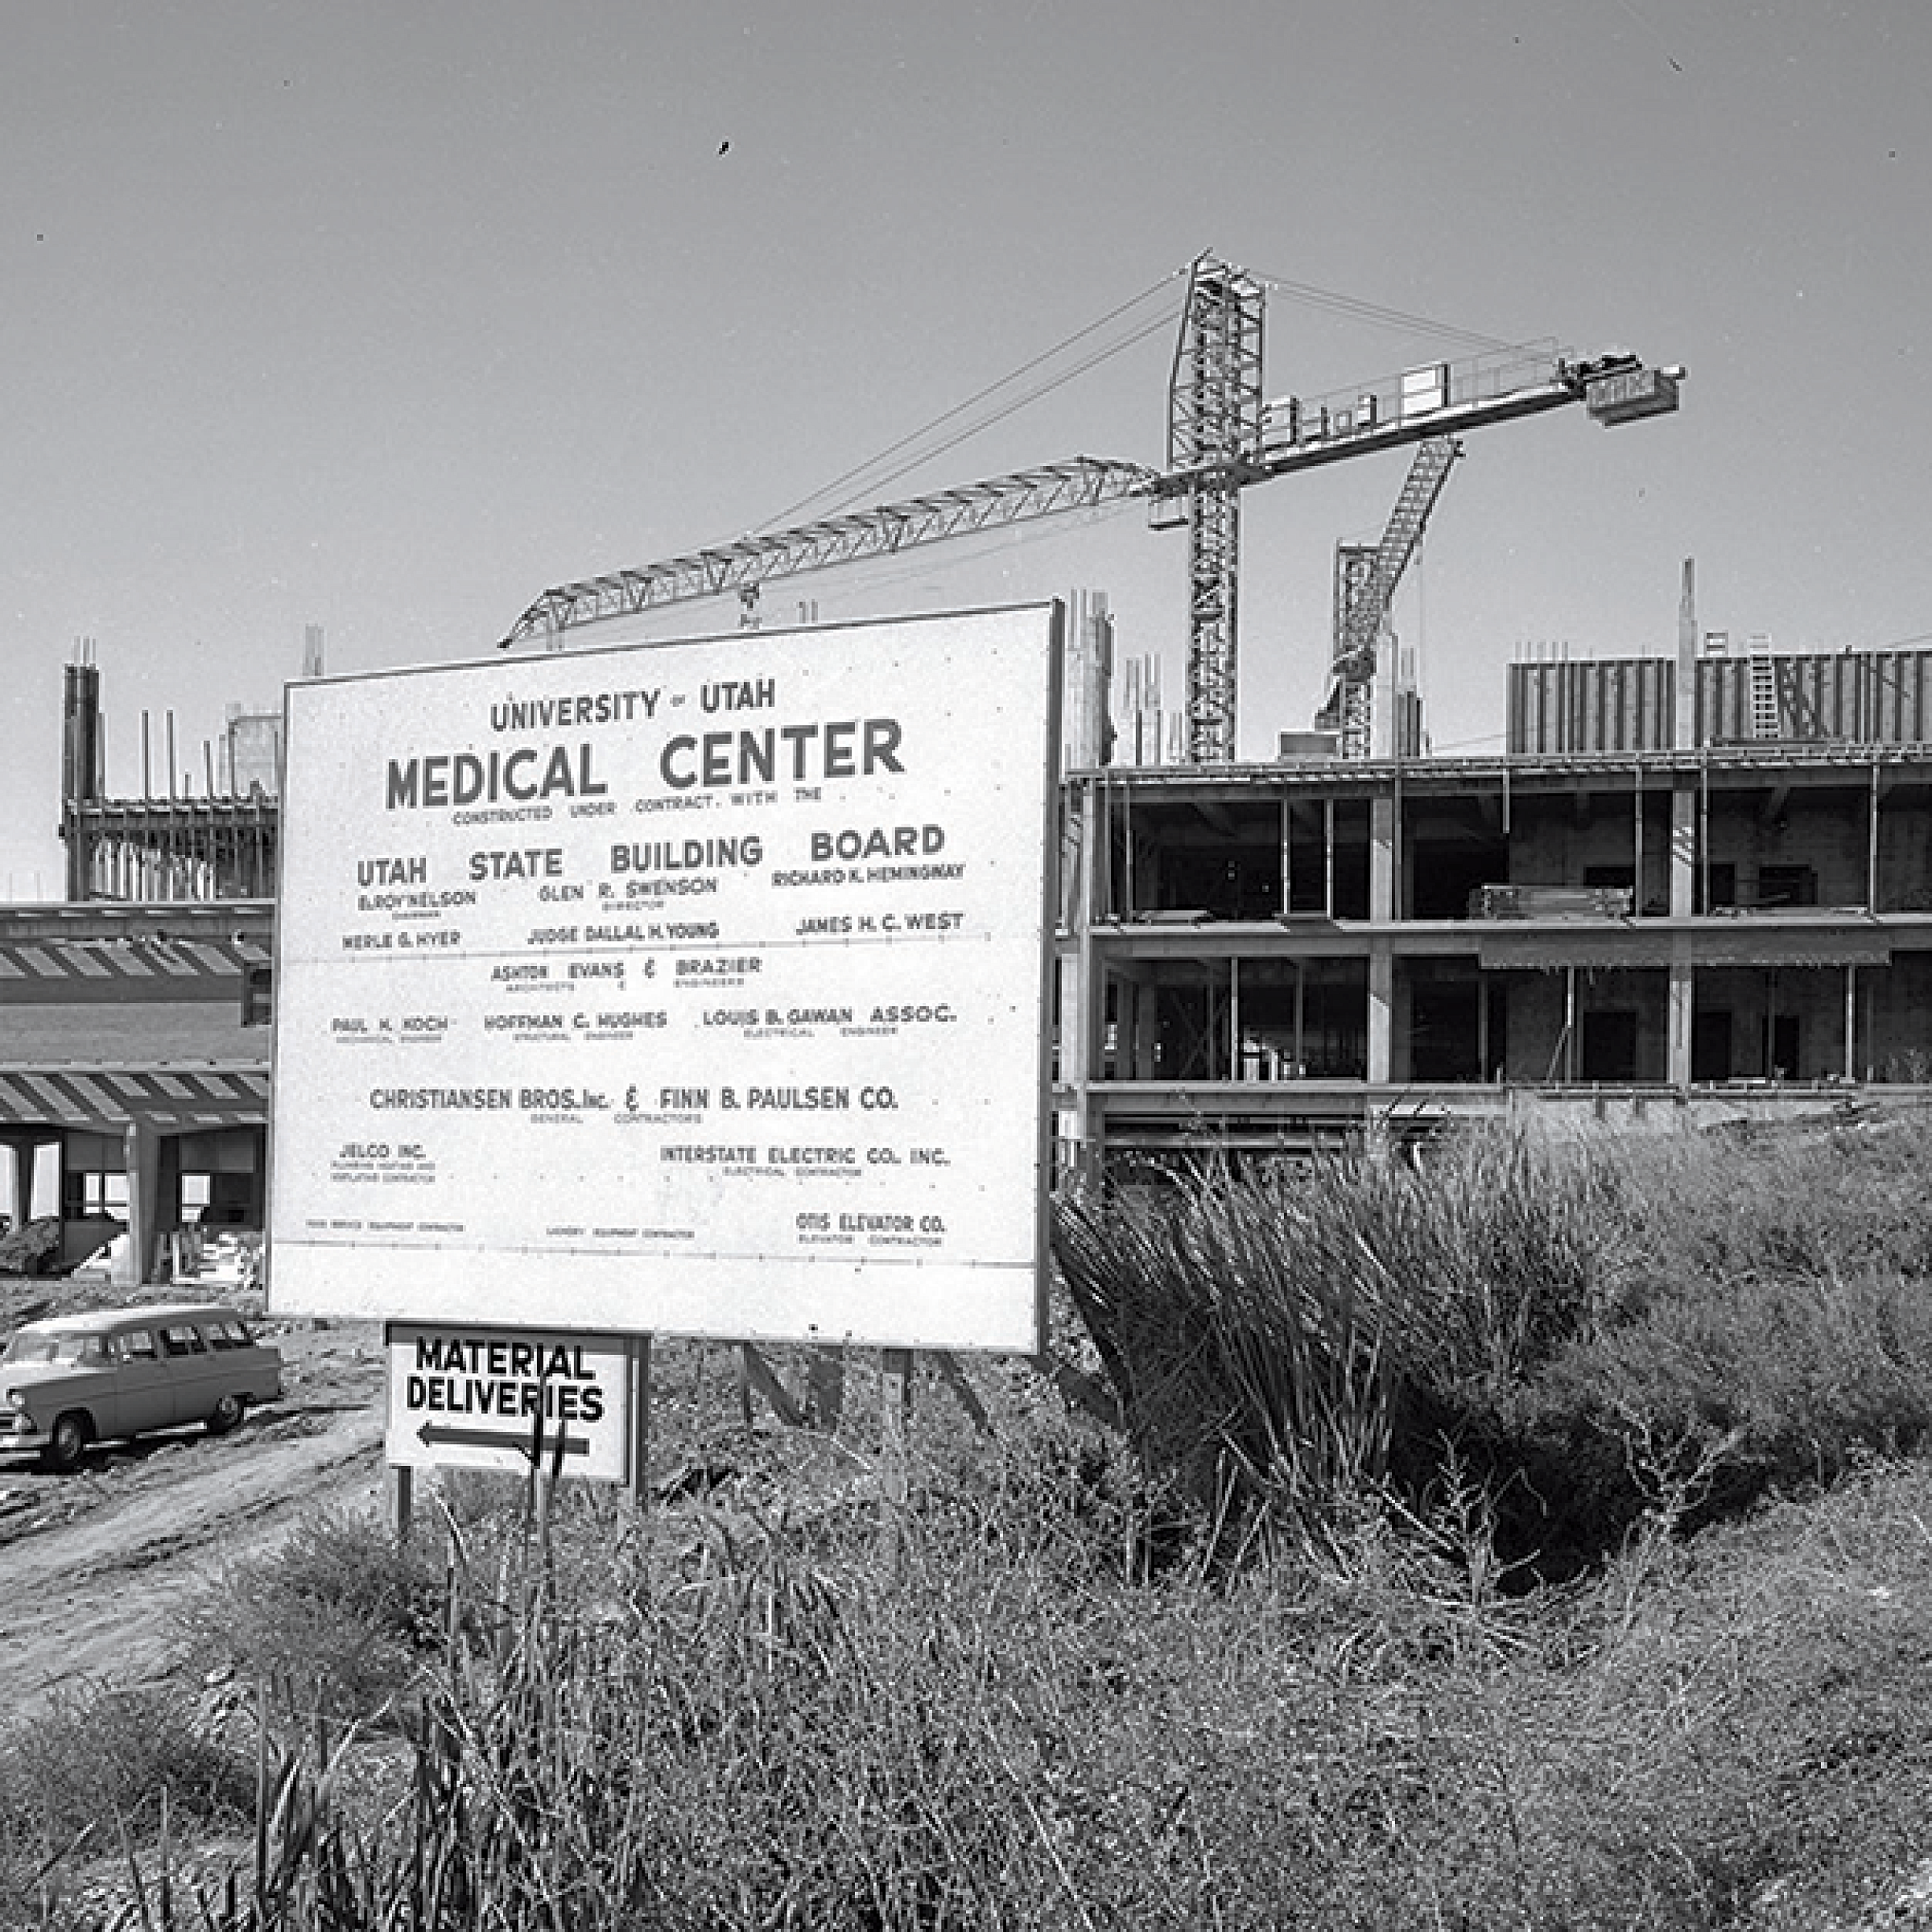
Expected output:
(483, 1398)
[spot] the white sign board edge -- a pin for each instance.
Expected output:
(988, 1291)
(467, 1398)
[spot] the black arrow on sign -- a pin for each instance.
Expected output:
(432, 1433)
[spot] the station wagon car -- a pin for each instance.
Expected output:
(71, 1380)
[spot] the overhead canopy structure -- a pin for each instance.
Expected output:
(135, 1054)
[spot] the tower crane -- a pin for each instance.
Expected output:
(1223, 437)
(1365, 578)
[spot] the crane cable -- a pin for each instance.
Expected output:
(1012, 408)
(1046, 356)
(1377, 313)
(1357, 308)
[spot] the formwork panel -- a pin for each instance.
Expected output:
(1613, 704)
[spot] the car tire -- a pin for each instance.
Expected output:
(226, 1415)
(68, 1440)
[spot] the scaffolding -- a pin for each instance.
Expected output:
(222, 845)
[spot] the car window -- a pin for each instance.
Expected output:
(52, 1345)
(225, 1335)
(183, 1340)
(136, 1345)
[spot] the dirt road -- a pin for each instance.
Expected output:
(93, 1564)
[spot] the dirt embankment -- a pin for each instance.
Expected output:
(93, 1563)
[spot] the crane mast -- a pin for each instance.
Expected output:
(1214, 438)
(1222, 436)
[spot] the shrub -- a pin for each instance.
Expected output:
(1586, 1328)
(335, 1618)
(1808, 1199)
(95, 1763)
(1802, 1376)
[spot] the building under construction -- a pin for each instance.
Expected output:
(1693, 883)
(135, 1017)
(1689, 888)
(169, 843)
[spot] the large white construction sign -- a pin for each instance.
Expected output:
(694, 987)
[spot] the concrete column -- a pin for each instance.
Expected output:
(143, 1146)
(1683, 847)
(1401, 1026)
(22, 1153)
(1082, 996)
(1381, 721)
(1234, 1019)
(1681, 998)
(1381, 857)
(1636, 843)
(1871, 845)
(1684, 693)
(1089, 674)
(1851, 1023)
(1682, 1012)
(1569, 1024)
(1381, 1011)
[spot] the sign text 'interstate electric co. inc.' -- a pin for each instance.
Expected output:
(694, 987)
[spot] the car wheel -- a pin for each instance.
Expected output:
(226, 1414)
(69, 1438)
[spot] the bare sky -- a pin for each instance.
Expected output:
(384, 316)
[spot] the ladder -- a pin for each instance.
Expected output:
(1767, 713)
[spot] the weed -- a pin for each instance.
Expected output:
(1357, 1400)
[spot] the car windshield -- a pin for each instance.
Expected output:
(54, 1345)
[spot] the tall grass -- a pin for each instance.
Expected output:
(1580, 1323)
(1380, 1385)
(745, 1727)
(1252, 1359)
(1278, 1341)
